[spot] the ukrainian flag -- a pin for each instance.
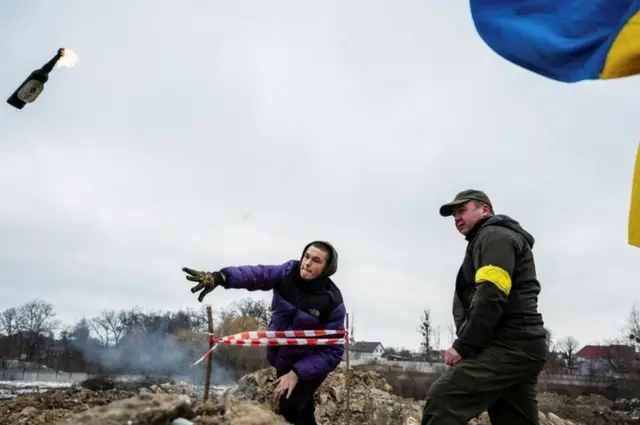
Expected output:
(566, 40)
(634, 213)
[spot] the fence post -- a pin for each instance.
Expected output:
(347, 380)
(207, 377)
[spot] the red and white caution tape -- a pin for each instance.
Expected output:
(278, 334)
(204, 356)
(276, 338)
(264, 342)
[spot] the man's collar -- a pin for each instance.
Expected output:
(472, 234)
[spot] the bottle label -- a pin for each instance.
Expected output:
(30, 91)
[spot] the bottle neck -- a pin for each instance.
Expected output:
(48, 67)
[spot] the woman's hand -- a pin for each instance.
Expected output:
(286, 384)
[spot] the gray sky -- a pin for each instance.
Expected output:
(213, 133)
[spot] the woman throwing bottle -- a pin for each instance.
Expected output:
(304, 298)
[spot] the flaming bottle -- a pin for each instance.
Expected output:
(31, 88)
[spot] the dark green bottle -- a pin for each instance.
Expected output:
(31, 88)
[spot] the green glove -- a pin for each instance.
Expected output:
(207, 281)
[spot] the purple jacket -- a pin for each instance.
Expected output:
(296, 305)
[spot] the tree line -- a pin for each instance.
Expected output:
(562, 352)
(128, 341)
(138, 341)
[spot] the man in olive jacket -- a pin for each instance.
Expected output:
(500, 348)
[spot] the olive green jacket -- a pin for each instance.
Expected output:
(496, 296)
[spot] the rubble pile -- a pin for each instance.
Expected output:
(631, 406)
(371, 400)
(588, 410)
(249, 402)
(47, 407)
(156, 405)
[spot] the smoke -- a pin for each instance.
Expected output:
(156, 355)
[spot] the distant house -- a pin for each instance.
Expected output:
(556, 363)
(434, 356)
(19, 364)
(366, 351)
(605, 360)
(396, 357)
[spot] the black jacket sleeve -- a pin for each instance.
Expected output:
(494, 257)
(458, 313)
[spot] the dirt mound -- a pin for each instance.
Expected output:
(250, 403)
(371, 400)
(632, 407)
(49, 406)
(156, 405)
(588, 410)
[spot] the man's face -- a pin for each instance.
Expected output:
(467, 215)
(313, 263)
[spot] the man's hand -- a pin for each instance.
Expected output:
(207, 281)
(451, 356)
(286, 383)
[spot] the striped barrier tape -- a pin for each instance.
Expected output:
(276, 338)
(264, 342)
(281, 334)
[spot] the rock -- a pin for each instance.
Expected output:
(144, 409)
(181, 421)
(175, 388)
(545, 419)
(233, 411)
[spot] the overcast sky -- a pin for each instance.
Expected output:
(211, 133)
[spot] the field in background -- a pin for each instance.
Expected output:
(51, 376)
(414, 383)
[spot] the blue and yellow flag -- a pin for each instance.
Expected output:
(566, 40)
(634, 211)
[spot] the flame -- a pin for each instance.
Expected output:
(69, 59)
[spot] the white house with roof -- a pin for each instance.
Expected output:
(365, 351)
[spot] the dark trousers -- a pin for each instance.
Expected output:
(500, 380)
(300, 407)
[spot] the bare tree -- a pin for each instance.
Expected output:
(35, 321)
(80, 332)
(186, 320)
(247, 308)
(452, 333)
(549, 340)
(9, 321)
(257, 309)
(426, 330)
(436, 338)
(240, 359)
(352, 339)
(404, 352)
(633, 324)
(37, 317)
(568, 348)
(109, 327)
(618, 354)
(128, 341)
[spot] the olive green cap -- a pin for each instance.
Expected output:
(462, 198)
